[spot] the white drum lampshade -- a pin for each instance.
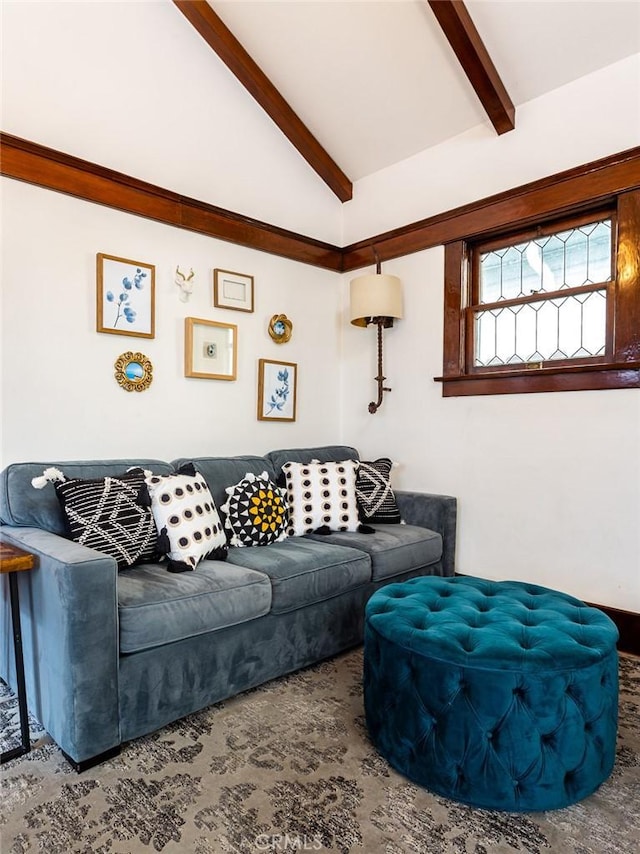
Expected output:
(375, 295)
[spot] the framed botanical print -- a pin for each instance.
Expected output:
(277, 390)
(125, 296)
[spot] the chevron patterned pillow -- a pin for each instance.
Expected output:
(376, 500)
(105, 514)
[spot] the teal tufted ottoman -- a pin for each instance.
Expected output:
(502, 695)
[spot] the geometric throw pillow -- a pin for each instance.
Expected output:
(187, 519)
(376, 500)
(321, 497)
(105, 514)
(256, 512)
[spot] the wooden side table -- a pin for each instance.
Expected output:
(12, 561)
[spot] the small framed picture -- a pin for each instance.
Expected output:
(277, 390)
(125, 298)
(232, 290)
(210, 349)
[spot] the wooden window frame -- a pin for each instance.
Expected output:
(618, 368)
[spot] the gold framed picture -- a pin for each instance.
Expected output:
(210, 349)
(125, 296)
(277, 390)
(232, 290)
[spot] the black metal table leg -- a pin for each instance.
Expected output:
(25, 747)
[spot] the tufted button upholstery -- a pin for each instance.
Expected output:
(498, 694)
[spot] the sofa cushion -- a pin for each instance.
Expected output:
(375, 496)
(24, 506)
(394, 549)
(155, 607)
(106, 514)
(303, 571)
(187, 519)
(256, 512)
(321, 495)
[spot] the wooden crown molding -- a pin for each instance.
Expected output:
(599, 180)
(218, 36)
(589, 184)
(461, 33)
(54, 170)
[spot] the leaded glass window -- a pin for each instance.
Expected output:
(542, 296)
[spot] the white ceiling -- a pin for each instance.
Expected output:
(375, 81)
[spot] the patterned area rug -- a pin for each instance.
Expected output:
(288, 767)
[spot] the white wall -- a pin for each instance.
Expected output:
(132, 86)
(585, 120)
(59, 396)
(548, 484)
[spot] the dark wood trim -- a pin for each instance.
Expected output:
(218, 36)
(628, 624)
(455, 272)
(54, 170)
(627, 285)
(618, 368)
(461, 33)
(531, 381)
(564, 192)
(36, 164)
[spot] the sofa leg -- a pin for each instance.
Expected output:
(95, 760)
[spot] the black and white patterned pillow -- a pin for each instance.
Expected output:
(321, 497)
(105, 514)
(376, 500)
(187, 519)
(256, 512)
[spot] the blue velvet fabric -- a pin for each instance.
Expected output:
(24, 506)
(157, 607)
(70, 641)
(393, 549)
(77, 610)
(303, 572)
(324, 454)
(498, 694)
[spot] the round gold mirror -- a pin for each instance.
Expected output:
(133, 371)
(280, 328)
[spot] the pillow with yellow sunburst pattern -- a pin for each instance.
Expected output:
(256, 512)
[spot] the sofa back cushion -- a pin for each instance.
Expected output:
(23, 505)
(221, 472)
(324, 454)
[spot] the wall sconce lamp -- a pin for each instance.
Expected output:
(376, 299)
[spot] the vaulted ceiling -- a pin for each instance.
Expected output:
(372, 82)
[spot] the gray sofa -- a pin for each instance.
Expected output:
(111, 656)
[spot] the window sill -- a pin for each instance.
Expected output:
(547, 379)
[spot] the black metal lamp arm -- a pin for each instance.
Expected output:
(381, 323)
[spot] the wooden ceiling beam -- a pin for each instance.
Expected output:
(461, 33)
(218, 36)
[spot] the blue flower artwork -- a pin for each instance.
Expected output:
(127, 301)
(280, 393)
(278, 387)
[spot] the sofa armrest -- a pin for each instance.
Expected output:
(69, 615)
(436, 512)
